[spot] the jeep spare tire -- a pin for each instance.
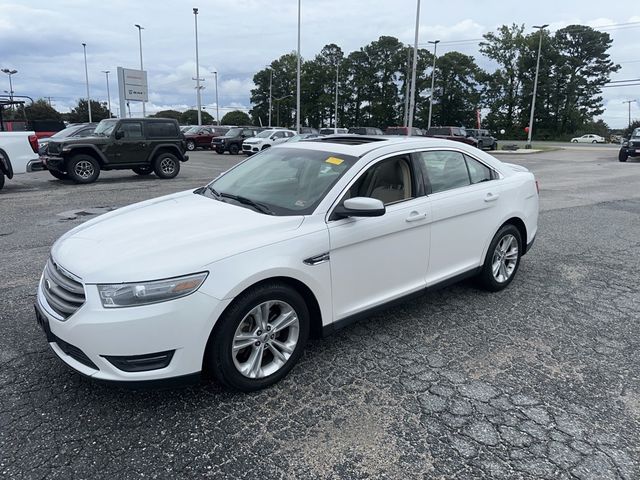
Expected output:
(83, 168)
(166, 165)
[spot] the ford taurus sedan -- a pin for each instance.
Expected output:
(232, 278)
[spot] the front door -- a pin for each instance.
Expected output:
(375, 260)
(131, 147)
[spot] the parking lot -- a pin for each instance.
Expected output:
(541, 380)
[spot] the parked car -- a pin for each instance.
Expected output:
(18, 154)
(308, 130)
(333, 131)
(232, 140)
(415, 132)
(266, 139)
(303, 136)
(631, 147)
(144, 145)
(76, 130)
(589, 138)
(366, 131)
(457, 134)
(200, 137)
(303, 237)
(484, 138)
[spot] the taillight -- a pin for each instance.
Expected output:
(537, 187)
(33, 141)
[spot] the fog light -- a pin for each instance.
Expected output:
(141, 363)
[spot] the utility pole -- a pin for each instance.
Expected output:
(106, 73)
(629, 102)
(144, 112)
(86, 76)
(298, 76)
(412, 96)
(433, 79)
(535, 85)
(197, 79)
(408, 83)
(215, 74)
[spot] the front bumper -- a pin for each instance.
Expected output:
(249, 148)
(50, 162)
(631, 150)
(85, 339)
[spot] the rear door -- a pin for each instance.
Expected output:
(466, 205)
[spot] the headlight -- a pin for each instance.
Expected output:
(625, 144)
(135, 294)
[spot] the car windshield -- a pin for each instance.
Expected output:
(636, 133)
(283, 181)
(105, 127)
(234, 132)
(67, 132)
(265, 134)
(192, 131)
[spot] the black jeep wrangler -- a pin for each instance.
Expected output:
(143, 145)
(631, 147)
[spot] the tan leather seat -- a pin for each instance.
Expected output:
(391, 182)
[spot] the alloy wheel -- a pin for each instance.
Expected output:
(167, 166)
(505, 258)
(84, 169)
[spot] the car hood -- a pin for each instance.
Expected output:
(165, 237)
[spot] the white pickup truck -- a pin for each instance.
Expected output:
(18, 154)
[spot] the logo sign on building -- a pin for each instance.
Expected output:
(132, 84)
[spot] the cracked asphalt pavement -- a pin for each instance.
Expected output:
(541, 380)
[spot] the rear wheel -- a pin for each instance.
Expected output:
(1, 180)
(146, 170)
(59, 175)
(234, 149)
(166, 165)
(503, 258)
(83, 169)
(260, 337)
(595, 141)
(220, 151)
(622, 156)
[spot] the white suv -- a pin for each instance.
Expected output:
(266, 139)
(303, 237)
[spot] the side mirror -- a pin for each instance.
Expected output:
(119, 134)
(360, 207)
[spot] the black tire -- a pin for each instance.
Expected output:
(594, 141)
(166, 165)
(234, 149)
(219, 358)
(83, 168)
(574, 141)
(220, 151)
(487, 279)
(146, 170)
(622, 156)
(191, 145)
(59, 175)
(1, 180)
(480, 145)
(494, 146)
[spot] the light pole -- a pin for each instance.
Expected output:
(335, 124)
(106, 73)
(412, 96)
(298, 76)
(408, 83)
(10, 72)
(215, 74)
(197, 79)
(628, 102)
(535, 85)
(270, 93)
(433, 79)
(86, 76)
(144, 111)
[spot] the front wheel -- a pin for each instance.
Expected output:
(502, 260)
(166, 165)
(1, 180)
(191, 146)
(622, 156)
(574, 141)
(83, 169)
(234, 149)
(59, 175)
(260, 337)
(219, 151)
(595, 141)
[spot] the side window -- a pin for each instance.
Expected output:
(132, 129)
(388, 181)
(161, 129)
(277, 135)
(478, 171)
(446, 170)
(247, 133)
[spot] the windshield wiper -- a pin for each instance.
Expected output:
(261, 207)
(213, 191)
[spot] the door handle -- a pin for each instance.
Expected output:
(491, 197)
(415, 216)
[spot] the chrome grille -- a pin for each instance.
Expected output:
(64, 294)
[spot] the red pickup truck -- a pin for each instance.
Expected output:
(457, 134)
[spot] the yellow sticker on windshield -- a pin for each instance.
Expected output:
(334, 160)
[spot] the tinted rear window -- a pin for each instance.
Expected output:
(161, 129)
(438, 131)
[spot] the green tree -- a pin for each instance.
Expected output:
(41, 110)
(173, 114)
(190, 117)
(236, 117)
(284, 89)
(80, 113)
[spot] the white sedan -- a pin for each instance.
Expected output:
(300, 239)
(589, 138)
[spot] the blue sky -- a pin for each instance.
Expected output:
(42, 40)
